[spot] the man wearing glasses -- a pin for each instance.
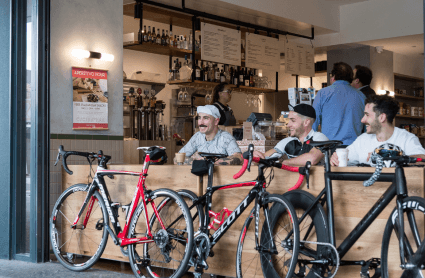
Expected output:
(339, 107)
(221, 97)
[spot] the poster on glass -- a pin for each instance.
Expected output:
(90, 98)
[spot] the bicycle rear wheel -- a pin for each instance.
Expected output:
(78, 248)
(414, 226)
(169, 254)
(263, 261)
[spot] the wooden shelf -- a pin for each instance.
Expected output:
(410, 117)
(408, 97)
(131, 81)
(408, 78)
(240, 88)
(161, 50)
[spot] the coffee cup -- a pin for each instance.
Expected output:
(342, 157)
(180, 157)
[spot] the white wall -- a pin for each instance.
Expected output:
(318, 13)
(411, 66)
(90, 25)
(376, 19)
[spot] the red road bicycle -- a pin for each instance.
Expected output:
(82, 217)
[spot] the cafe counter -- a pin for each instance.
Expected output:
(351, 202)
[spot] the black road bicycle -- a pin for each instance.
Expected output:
(261, 250)
(318, 254)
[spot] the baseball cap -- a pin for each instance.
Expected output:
(305, 110)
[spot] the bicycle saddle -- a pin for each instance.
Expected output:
(325, 145)
(212, 155)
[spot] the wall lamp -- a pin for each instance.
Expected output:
(386, 92)
(80, 53)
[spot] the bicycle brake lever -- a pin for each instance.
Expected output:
(58, 158)
(251, 151)
(307, 173)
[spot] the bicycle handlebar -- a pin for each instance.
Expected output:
(380, 164)
(248, 158)
(88, 155)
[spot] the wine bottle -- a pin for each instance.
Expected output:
(222, 76)
(198, 75)
(236, 77)
(175, 41)
(241, 77)
(149, 35)
(145, 34)
(163, 38)
(217, 73)
(246, 78)
(153, 35)
(158, 37)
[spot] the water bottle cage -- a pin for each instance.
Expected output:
(218, 218)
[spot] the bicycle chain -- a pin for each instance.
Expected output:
(333, 248)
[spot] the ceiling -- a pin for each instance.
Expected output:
(407, 45)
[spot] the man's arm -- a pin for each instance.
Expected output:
(263, 155)
(314, 156)
(234, 159)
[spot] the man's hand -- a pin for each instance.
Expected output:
(334, 159)
(196, 156)
(258, 154)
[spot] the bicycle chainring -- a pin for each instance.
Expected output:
(201, 252)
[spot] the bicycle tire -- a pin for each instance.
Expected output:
(301, 201)
(390, 252)
(78, 249)
(249, 260)
(154, 255)
(197, 211)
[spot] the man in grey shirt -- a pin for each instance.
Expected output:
(210, 139)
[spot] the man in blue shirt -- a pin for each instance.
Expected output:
(340, 107)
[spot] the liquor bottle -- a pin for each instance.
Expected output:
(211, 76)
(222, 76)
(158, 37)
(178, 43)
(216, 73)
(241, 77)
(149, 35)
(153, 35)
(189, 46)
(185, 43)
(163, 38)
(198, 72)
(205, 68)
(167, 38)
(236, 77)
(145, 34)
(246, 78)
(227, 74)
(242, 50)
(175, 41)
(251, 78)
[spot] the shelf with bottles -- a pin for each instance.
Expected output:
(161, 50)
(408, 97)
(410, 117)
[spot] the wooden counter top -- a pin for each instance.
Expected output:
(351, 200)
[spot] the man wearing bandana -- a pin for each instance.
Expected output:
(210, 139)
(295, 147)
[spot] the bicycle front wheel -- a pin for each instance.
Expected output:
(414, 221)
(169, 254)
(78, 247)
(278, 224)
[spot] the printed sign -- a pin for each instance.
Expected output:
(220, 44)
(90, 98)
(299, 59)
(262, 52)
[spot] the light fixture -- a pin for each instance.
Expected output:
(385, 92)
(80, 53)
(382, 92)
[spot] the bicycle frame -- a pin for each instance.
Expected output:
(98, 183)
(206, 201)
(397, 188)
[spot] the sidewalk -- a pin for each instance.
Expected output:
(54, 269)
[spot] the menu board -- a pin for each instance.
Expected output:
(220, 44)
(299, 59)
(90, 98)
(262, 52)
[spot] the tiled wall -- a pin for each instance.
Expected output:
(114, 148)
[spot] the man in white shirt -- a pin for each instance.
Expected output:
(296, 147)
(379, 114)
(210, 139)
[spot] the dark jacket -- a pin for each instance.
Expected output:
(368, 91)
